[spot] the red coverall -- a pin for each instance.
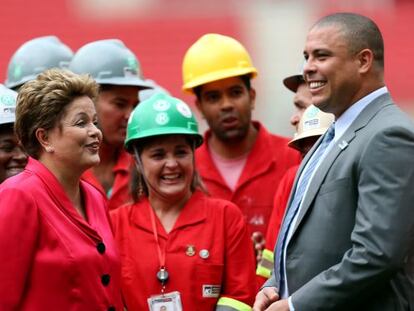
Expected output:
(208, 224)
(51, 258)
(267, 162)
(279, 206)
(120, 189)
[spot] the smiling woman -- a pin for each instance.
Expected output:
(53, 225)
(12, 158)
(194, 251)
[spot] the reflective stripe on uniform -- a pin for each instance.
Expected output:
(265, 266)
(230, 304)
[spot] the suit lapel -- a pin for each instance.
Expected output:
(340, 145)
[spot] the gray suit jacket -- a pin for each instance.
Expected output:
(353, 244)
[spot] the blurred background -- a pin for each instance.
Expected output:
(160, 31)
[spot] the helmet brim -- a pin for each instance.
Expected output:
(127, 81)
(293, 82)
(152, 133)
(220, 75)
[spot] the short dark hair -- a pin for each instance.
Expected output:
(360, 32)
(246, 79)
(41, 103)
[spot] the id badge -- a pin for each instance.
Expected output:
(167, 302)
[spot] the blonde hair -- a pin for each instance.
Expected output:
(41, 103)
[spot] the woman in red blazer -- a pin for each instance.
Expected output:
(57, 250)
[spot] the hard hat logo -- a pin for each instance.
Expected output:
(132, 63)
(312, 112)
(17, 71)
(7, 105)
(8, 100)
(184, 110)
(162, 118)
(161, 105)
(311, 124)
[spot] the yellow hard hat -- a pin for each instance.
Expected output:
(314, 122)
(214, 57)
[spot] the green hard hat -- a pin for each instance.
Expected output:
(161, 114)
(35, 56)
(109, 61)
(7, 105)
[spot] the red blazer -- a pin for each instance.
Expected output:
(267, 162)
(204, 224)
(120, 193)
(51, 258)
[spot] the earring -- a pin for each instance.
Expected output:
(50, 149)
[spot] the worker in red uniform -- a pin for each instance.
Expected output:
(179, 248)
(301, 100)
(312, 125)
(117, 70)
(57, 249)
(35, 56)
(240, 160)
(12, 157)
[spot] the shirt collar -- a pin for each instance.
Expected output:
(346, 119)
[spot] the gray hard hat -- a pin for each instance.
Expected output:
(7, 105)
(35, 56)
(109, 62)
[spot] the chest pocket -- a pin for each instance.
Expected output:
(208, 283)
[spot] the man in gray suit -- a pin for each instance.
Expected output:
(346, 242)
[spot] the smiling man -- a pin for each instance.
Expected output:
(346, 241)
(240, 160)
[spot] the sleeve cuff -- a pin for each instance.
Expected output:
(291, 307)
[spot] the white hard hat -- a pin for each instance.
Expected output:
(7, 105)
(314, 122)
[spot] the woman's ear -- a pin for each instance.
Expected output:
(43, 139)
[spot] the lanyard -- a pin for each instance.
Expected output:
(162, 274)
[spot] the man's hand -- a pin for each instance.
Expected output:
(265, 298)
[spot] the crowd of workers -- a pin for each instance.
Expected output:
(111, 199)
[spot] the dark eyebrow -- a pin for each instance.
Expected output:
(322, 51)
(6, 140)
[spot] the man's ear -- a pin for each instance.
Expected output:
(365, 59)
(252, 94)
(43, 139)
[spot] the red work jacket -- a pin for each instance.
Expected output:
(51, 258)
(279, 206)
(208, 224)
(266, 264)
(267, 162)
(120, 190)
